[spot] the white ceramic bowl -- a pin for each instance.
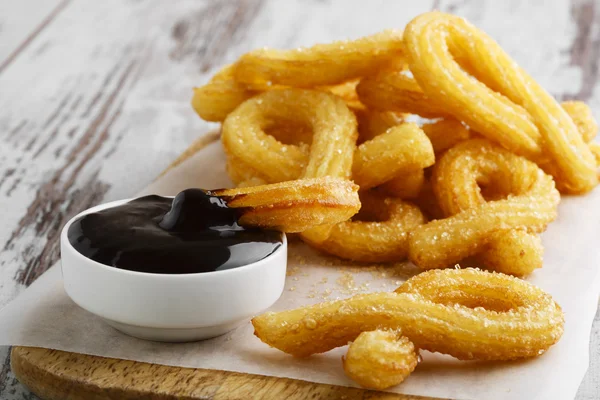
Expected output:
(171, 308)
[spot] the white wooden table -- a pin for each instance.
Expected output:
(94, 96)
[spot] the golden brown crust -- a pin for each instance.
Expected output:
(405, 185)
(384, 238)
(400, 149)
(582, 116)
(516, 113)
(396, 91)
(215, 100)
(475, 226)
(320, 65)
(380, 359)
(466, 313)
(373, 123)
(327, 115)
(295, 206)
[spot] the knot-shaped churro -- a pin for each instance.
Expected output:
(477, 169)
(523, 200)
(466, 313)
(503, 103)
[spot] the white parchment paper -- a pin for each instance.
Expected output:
(44, 316)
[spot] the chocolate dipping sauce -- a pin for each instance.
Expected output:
(194, 232)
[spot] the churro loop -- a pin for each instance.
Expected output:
(381, 236)
(320, 65)
(474, 223)
(466, 313)
(512, 109)
(333, 141)
(463, 175)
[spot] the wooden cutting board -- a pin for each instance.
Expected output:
(60, 375)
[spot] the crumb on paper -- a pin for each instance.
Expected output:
(346, 280)
(297, 258)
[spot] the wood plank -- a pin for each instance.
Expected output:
(96, 104)
(57, 375)
(20, 23)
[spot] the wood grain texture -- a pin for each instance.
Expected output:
(56, 375)
(94, 101)
(21, 22)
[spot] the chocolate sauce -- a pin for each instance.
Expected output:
(195, 232)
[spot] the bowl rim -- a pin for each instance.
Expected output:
(64, 239)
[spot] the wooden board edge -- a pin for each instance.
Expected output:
(59, 375)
